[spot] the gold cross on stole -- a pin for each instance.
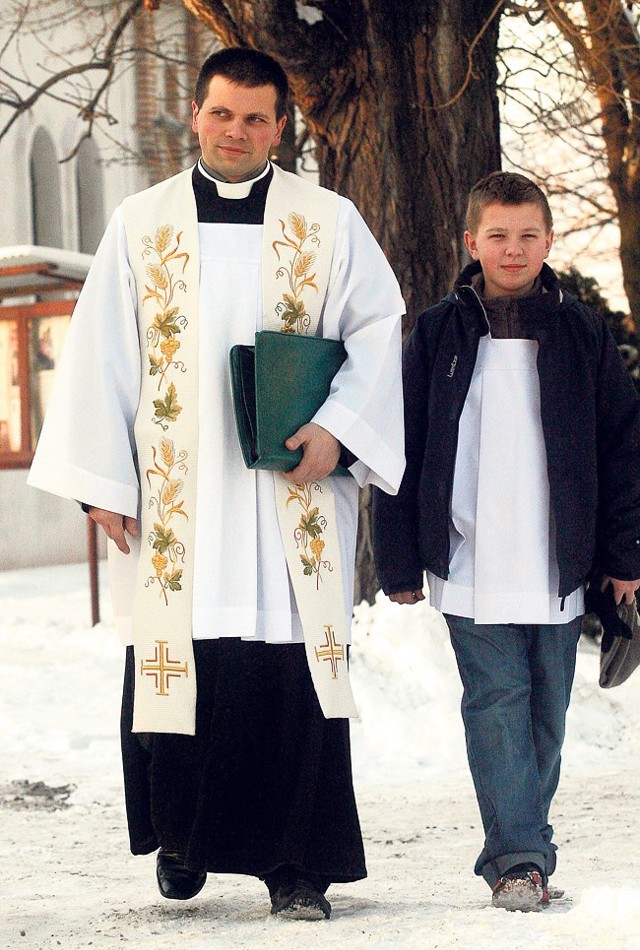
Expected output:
(330, 650)
(162, 668)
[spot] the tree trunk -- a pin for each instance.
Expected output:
(400, 100)
(629, 221)
(404, 155)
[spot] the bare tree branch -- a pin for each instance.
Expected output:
(105, 63)
(590, 100)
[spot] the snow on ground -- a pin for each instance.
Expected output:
(67, 879)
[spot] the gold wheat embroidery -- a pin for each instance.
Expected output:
(166, 488)
(296, 267)
(168, 323)
(309, 530)
(165, 267)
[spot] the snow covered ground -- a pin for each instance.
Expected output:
(67, 879)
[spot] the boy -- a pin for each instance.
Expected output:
(523, 477)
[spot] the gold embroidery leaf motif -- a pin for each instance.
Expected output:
(165, 498)
(167, 409)
(164, 281)
(297, 263)
(165, 270)
(309, 530)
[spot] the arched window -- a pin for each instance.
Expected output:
(46, 205)
(90, 197)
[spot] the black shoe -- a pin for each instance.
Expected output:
(175, 881)
(300, 900)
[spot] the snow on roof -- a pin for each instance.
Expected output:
(29, 269)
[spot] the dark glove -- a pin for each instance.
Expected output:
(602, 604)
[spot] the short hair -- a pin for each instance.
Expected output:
(507, 188)
(245, 67)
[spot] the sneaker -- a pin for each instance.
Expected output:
(300, 900)
(520, 888)
(551, 893)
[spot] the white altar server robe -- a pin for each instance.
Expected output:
(503, 566)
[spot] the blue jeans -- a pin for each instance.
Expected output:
(517, 683)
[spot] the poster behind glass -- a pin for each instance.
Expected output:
(10, 414)
(46, 337)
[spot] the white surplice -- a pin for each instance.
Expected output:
(503, 567)
(87, 452)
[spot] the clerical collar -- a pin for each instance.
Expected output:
(232, 189)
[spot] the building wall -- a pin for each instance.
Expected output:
(112, 179)
(39, 528)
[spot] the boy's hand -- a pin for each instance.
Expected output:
(622, 590)
(407, 597)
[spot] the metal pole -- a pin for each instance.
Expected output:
(92, 545)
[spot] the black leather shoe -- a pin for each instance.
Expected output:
(175, 881)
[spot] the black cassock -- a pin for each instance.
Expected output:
(266, 781)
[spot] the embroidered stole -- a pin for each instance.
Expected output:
(295, 278)
(165, 263)
(162, 237)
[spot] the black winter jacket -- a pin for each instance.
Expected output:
(591, 423)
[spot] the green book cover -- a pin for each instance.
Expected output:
(278, 385)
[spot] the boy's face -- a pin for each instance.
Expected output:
(511, 242)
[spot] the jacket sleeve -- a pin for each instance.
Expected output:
(396, 518)
(618, 433)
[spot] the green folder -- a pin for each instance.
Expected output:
(278, 385)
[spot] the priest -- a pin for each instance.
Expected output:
(232, 588)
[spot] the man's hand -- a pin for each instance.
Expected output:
(115, 526)
(320, 454)
(407, 597)
(622, 590)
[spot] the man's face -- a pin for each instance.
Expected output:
(511, 242)
(237, 127)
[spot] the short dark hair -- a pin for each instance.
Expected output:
(507, 188)
(245, 67)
